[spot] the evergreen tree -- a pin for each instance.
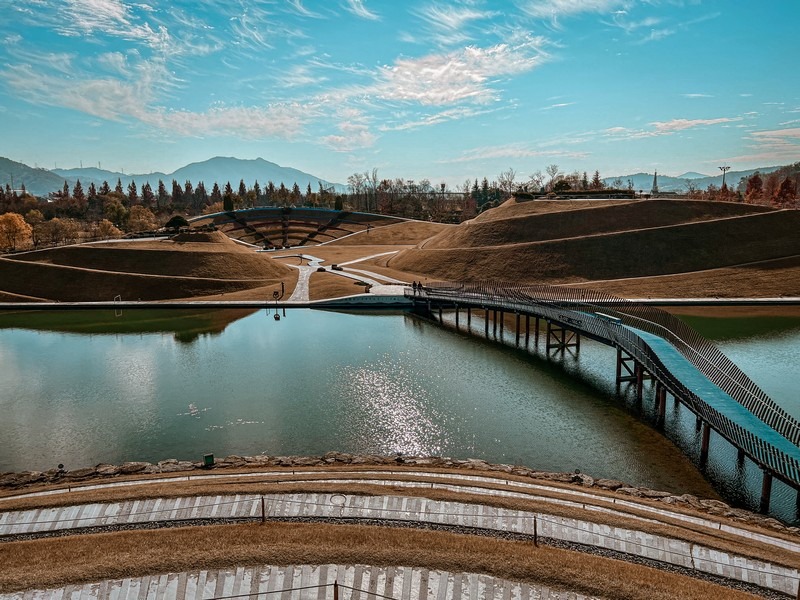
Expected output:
(216, 195)
(188, 190)
(177, 195)
(77, 191)
(65, 191)
(133, 194)
(118, 187)
(484, 198)
(92, 191)
(597, 184)
(148, 198)
(584, 181)
(242, 189)
(269, 193)
(257, 190)
(162, 198)
(200, 195)
(105, 189)
(227, 198)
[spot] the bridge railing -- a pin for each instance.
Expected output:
(552, 302)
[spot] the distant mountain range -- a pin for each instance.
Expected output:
(644, 181)
(221, 170)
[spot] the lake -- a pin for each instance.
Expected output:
(81, 388)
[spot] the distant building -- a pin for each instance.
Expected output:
(654, 191)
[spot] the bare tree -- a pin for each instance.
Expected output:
(552, 171)
(505, 181)
(537, 180)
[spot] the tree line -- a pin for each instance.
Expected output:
(73, 213)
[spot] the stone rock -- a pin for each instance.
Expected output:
(630, 491)
(105, 470)
(715, 505)
(151, 469)
(684, 499)
(128, 468)
(174, 467)
(341, 457)
(648, 493)
(22, 479)
(475, 463)
(559, 477)
(584, 479)
(609, 484)
(259, 459)
(78, 474)
(232, 461)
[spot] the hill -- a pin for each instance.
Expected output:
(38, 182)
(611, 241)
(202, 264)
(644, 181)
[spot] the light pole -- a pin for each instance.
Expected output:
(724, 170)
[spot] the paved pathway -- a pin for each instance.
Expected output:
(356, 582)
(410, 509)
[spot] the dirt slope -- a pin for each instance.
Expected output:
(590, 220)
(642, 252)
(207, 265)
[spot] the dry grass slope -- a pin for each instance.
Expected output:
(210, 264)
(635, 253)
(588, 220)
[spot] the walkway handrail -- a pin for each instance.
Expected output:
(552, 302)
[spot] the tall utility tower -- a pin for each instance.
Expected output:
(724, 170)
(654, 191)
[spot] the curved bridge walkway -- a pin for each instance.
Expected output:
(650, 343)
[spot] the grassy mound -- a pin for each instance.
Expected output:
(586, 219)
(404, 233)
(139, 270)
(635, 253)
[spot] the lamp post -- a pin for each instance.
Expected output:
(724, 170)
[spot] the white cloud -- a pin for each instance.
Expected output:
(458, 76)
(510, 151)
(109, 17)
(451, 18)
(663, 128)
(558, 105)
(553, 9)
(357, 8)
(666, 127)
(451, 114)
(697, 95)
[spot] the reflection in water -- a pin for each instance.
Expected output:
(397, 407)
(317, 381)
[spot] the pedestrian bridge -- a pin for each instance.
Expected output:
(650, 343)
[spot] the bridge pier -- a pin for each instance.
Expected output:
(456, 317)
(486, 321)
(661, 399)
(494, 323)
(502, 322)
(517, 331)
(527, 330)
(625, 373)
(766, 491)
(469, 317)
(536, 333)
(560, 338)
(704, 445)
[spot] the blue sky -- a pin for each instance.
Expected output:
(445, 90)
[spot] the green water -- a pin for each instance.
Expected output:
(81, 388)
